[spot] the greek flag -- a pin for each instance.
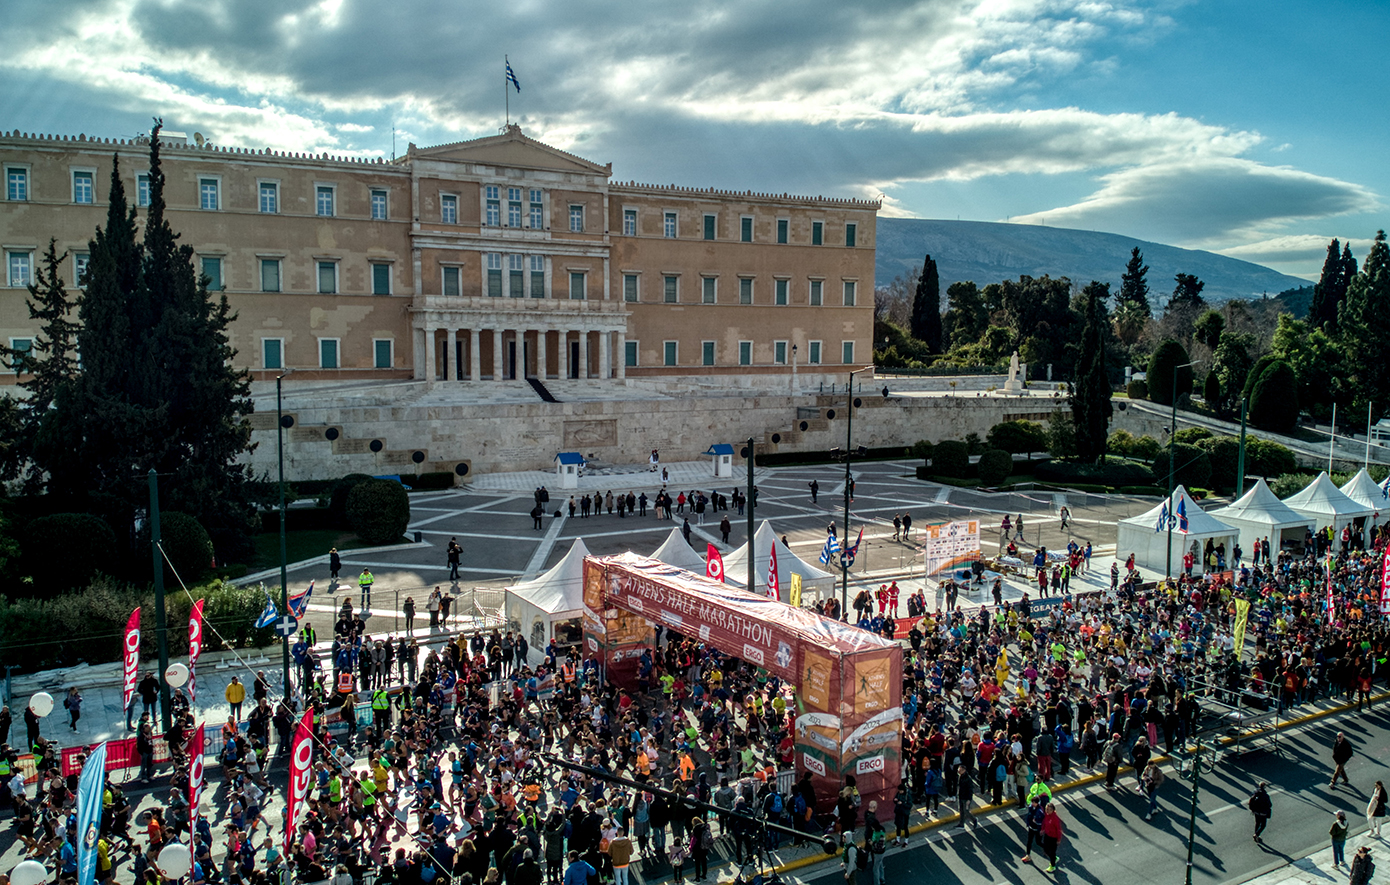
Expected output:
(269, 614)
(1162, 518)
(832, 546)
(511, 75)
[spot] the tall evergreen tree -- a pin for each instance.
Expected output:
(1134, 285)
(1364, 321)
(926, 307)
(966, 314)
(1331, 288)
(1187, 292)
(1090, 398)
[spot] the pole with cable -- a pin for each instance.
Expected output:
(1240, 459)
(284, 568)
(748, 506)
(160, 617)
(1173, 432)
(1192, 816)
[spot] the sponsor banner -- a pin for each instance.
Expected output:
(815, 682)
(794, 597)
(90, 786)
(813, 765)
(1385, 582)
(873, 685)
(714, 564)
(869, 764)
(131, 647)
(1238, 630)
(301, 769)
(195, 648)
(950, 545)
(195, 783)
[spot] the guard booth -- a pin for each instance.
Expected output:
(723, 460)
(568, 467)
(847, 681)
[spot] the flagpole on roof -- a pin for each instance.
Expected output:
(507, 88)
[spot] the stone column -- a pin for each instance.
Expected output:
(451, 356)
(605, 360)
(475, 357)
(431, 361)
(540, 354)
(497, 355)
(622, 356)
(562, 337)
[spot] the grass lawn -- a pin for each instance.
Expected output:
(301, 544)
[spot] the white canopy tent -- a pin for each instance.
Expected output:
(551, 604)
(1146, 536)
(1325, 504)
(1259, 514)
(1364, 491)
(788, 564)
(675, 550)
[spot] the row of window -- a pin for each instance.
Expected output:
(670, 353)
(670, 228)
(17, 189)
(273, 353)
(709, 290)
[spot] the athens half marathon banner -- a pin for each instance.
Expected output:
(951, 545)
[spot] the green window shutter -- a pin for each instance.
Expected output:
(382, 350)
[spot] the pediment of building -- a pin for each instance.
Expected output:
(511, 148)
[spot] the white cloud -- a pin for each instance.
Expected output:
(1297, 254)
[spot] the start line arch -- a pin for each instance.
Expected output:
(848, 682)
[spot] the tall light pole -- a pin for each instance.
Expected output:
(283, 421)
(162, 631)
(748, 506)
(1192, 816)
(1172, 432)
(849, 478)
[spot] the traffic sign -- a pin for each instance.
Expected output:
(286, 626)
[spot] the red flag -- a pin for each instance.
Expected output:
(131, 644)
(195, 780)
(301, 767)
(774, 589)
(1385, 584)
(714, 564)
(195, 647)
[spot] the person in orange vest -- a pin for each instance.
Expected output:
(567, 671)
(687, 767)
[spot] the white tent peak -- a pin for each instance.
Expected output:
(1260, 504)
(561, 588)
(675, 550)
(1322, 498)
(1366, 491)
(1199, 522)
(788, 563)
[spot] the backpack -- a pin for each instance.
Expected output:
(776, 803)
(706, 839)
(861, 859)
(799, 805)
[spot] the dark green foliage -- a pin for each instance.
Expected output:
(974, 444)
(337, 504)
(1018, 437)
(1119, 443)
(1165, 357)
(1338, 270)
(65, 551)
(995, 466)
(1134, 285)
(1364, 325)
(1231, 365)
(1211, 390)
(1208, 328)
(1137, 389)
(1274, 400)
(1145, 448)
(443, 479)
(1193, 466)
(921, 449)
(1266, 458)
(966, 317)
(1038, 317)
(926, 307)
(1114, 472)
(1256, 371)
(924, 471)
(1192, 436)
(1061, 435)
(950, 458)
(1090, 399)
(902, 351)
(186, 545)
(1224, 452)
(378, 510)
(1187, 292)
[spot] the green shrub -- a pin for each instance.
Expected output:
(1145, 448)
(924, 471)
(1192, 435)
(1141, 490)
(995, 466)
(950, 458)
(1120, 442)
(1017, 437)
(1267, 458)
(1193, 466)
(1137, 389)
(1287, 484)
(337, 502)
(186, 546)
(1114, 472)
(1274, 400)
(1255, 372)
(1061, 435)
(65, 550)
(973, 444)
(1224, 452)
(1211, 390)
(1168, 355)
(921, 449)
(428, 482)
(378, 511)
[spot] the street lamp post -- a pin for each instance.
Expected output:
(844, 542)
(1172, 432)
(162, 631)
(1192, 816)
(281, 422)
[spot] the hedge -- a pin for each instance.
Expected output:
(783, 459)
(187, 546)
(1113, 472)
(1193, 466)
(1137, 389)
(66, 550)
(1018, 437)
(995, 466)
(951, 458)
(337, 504)
(429, 482)
(378, 510)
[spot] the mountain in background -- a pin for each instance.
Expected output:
(988, 252)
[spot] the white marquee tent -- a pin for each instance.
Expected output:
(1364, 491)
(1260, 514)
(788, 564)
(1325, 504)
(676, 551)
(551, 604)
(1147, 538)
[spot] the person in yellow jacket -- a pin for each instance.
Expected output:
(236, 693)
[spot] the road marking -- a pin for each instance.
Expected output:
(542, 552)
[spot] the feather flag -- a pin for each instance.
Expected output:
(774, 589)
(714, 564)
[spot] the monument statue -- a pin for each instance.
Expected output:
(1014, 385)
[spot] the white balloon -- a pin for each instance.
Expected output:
(176, 675)
(29, 872)
(175, 861)
(41, 704)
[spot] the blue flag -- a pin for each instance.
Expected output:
(511, 75)
(90, 786)
(300, 601)
(1182, 516)
(268, 614)
(832, 546)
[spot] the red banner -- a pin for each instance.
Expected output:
(195, 782)
(714, 564)
(774, 589)
(301, 766)
(195, 647)
(131, 644)
(1385, 583)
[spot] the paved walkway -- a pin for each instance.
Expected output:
(1317, 869)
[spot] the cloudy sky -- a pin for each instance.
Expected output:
(1257, 130)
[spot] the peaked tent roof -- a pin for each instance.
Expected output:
(1199, 522)
(1322, 498)
(1364, 490)
(675, 551)
(562, 588)
(1261, 505)
(788, 563)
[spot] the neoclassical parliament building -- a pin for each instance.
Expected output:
(496, 259)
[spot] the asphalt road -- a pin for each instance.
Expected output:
(1107, 841)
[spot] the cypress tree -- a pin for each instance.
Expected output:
(926, 307)
(1364, 321)
(1331, 288)
(1134, 285)
(1090, 398)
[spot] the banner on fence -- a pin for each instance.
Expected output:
(950, 545)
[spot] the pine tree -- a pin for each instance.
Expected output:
(926, 307)
(1364, 321)
(1187, 292)
(1090, 398)
(1134, 287)
(1331, 288)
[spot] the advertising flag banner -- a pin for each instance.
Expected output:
(131, 647)
(195, 781)
(794, 594)
(1385, 583)
(1331, 602)
(195, 648)
(301, 767)
(714, 564)
(774, 590)
(90, 786)
(950, 545)
(1238, 631)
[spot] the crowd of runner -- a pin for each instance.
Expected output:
(454, 778)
